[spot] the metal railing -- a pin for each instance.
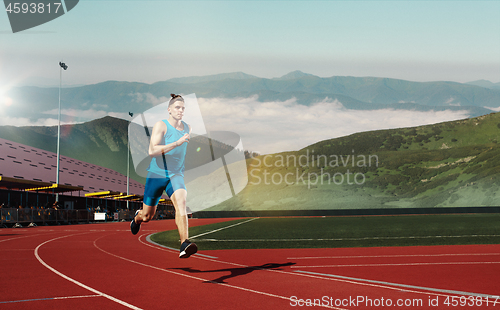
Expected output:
(10, 217)
(27, 216)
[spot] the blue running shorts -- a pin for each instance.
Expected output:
(156, 184)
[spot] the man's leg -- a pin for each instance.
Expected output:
(152, 192)
(181, 219)
(146, 214)
(188, 248)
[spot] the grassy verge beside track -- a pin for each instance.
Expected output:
(337, 232)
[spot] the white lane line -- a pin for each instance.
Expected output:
(148, 239)
(225, 227)
(48, 298)
(345, 239)
(395, 256)
(204, 255)
(15, 250)
(311, 275)
(460, 293)
(201, 279)
(399, 264)
(121, 302)
(34, 235)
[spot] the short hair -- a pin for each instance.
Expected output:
(174, 99)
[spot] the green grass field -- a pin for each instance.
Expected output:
(338, 232)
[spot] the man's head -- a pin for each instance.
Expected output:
(176, 107)
(174, 99)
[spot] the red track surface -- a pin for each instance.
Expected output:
(104, 266)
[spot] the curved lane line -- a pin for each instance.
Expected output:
(225, 227)
(121, 302)
(48, 298)
(304, 274)
(200, 279)
(398, 264)
(459, 293)
(26, 236)
(395, 256)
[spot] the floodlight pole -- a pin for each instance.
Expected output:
(128, 163)
(62, 66)
(128, 169)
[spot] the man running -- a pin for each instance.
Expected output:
(167, 148)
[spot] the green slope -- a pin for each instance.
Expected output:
(443, 165)
(101, 142)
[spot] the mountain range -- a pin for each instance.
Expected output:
(360, 93)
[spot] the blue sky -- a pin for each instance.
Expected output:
(149, 41)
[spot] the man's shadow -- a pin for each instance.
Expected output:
(238, 271)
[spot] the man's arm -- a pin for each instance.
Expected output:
(155, 145)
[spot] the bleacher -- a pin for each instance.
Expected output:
(27, 188)
(28, 163)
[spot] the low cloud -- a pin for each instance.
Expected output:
(22, 121)
(273, 126)
(79, 116)
(494, 109)
(269, 127)
(68, 116)
(148, 98)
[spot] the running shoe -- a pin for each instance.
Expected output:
(188, 248)
(134, 227)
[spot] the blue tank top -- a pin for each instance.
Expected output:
(172, 163)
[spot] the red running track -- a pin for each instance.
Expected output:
(104, 266)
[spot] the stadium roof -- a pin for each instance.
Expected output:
(123, 196)
(22, 162)
(104, 194)
(36, 186)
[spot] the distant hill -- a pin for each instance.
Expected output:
(485, 84)
(452, 164)
(215, 77)
(293, 75)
